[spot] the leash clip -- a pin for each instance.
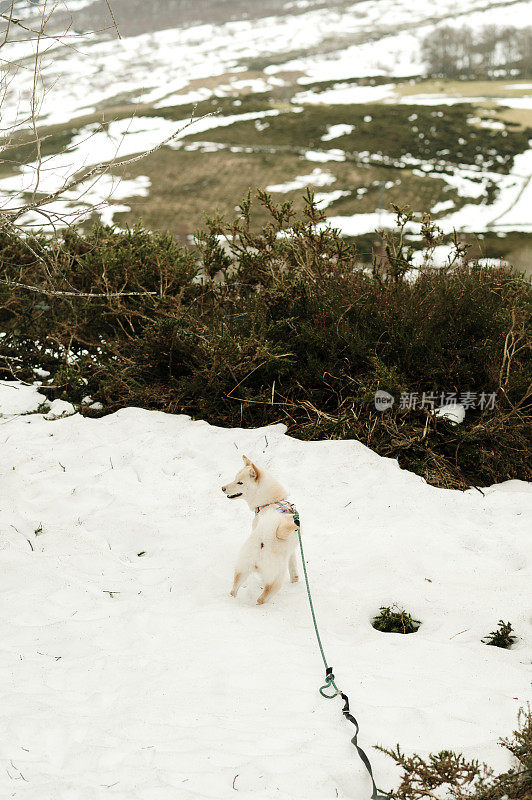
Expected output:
(329, 682)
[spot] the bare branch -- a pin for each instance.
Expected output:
(113, 18)
(99, 169)
(55, 293)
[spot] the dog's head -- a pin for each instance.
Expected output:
(245, 482)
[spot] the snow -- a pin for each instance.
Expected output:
(119, 139)
(517, 214)
(92, 145)
(229, 89)
(335, 131)
(445, 205)
(511, 208)
(187, 65)
(30, 8)
(183, 98)
(325, 155)
(58, 409)
(438, 256)
(356, 224)
(438, 100)
(146, 66)
(347, 94)
(515, 102)
(129, 672)
(168, 66)
(424, 99)
(509, 211)
(489, 124)
(396, 55)
(316, 178)
(454, 412)
(325, 199)
(17, 398)
(100, 193)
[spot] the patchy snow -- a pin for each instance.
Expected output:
(489, 124)
(390, 33)
(511, 207)
(94, 144)
(356, 224)
(32, 8)
(128, 670)
(157, 66)
(169, 67)
(396, 55)
(325, 155)
(465, 181)
(509, 211)
(335, 131)
(119, 139)
(515, 102)
(325, 199)
(58, 409)
(257, 85)
(445, 205)
(98, 194)
(438, 256)
(316, 178)
(347, 94)
(437, 100)
(183, 98)
(18, 398)
(493, 262)
(452, 100)
(454, 412)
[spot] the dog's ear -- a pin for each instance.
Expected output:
(254, 471)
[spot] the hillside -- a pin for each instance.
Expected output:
(330, 95)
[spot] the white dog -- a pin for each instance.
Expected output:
(270, 548)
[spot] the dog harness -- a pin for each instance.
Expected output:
(284, 506)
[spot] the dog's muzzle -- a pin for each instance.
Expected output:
(231, 496)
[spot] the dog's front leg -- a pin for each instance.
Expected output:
(292, 568)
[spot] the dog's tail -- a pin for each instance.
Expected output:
(285, 528)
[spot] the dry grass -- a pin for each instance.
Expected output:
(185, 183)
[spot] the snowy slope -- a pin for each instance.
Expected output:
(163, 68)
(373, 37)
(132, 676)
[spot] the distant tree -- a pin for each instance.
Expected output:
(467, 52)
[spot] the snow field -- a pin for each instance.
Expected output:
(127, 670)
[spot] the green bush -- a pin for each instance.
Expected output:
(449, 776)
(501, 636)
(256, 326)
(395, 621)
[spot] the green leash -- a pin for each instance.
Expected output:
(330, 680)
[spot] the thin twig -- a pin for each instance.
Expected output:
(56, 293)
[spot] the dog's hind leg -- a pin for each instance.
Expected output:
(292, 568)
(269, 590)
(240, 577)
